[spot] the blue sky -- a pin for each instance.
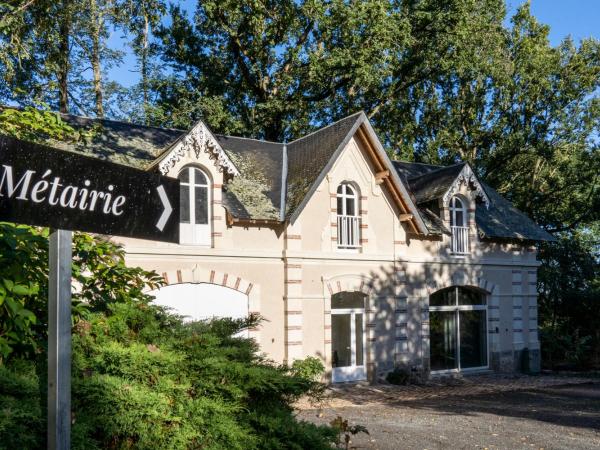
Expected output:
(578, 18)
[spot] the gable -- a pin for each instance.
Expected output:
(495, 217)
(466, 176)
(316, 154)
(198, 140)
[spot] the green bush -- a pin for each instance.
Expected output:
(21, 423)
(310, 368)
(143, 379)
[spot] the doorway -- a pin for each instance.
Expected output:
(348, 337)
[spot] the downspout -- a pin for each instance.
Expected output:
(284, 174)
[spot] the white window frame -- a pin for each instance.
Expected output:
(456, 308)
(348, 226)
(192, 233)
(460, 233)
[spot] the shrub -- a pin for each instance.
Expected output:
(143, 379)
(310, 368)
(22, 425)
(399, 376)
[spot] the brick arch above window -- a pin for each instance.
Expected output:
(463, 279)
(348, 283)
(230, 280)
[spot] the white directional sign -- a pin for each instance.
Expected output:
(64, 190)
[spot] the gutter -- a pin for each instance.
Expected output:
(284, 174)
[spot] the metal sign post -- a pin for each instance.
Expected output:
(59, 341)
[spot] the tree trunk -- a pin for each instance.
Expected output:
(144, 66)
(63, 57)
(95, 56)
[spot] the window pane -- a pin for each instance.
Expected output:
(358, 322)
(470, 297)
(184, 209)
(459, 219)
(184, 176)
(340, 208)
(199, 177)
(443, 337)
(473, 339)
(340, 188)
(341, 352)
(348, 300)
(445, 297)
(350, 207)
(201, 205)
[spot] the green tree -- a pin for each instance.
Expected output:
(268, 68)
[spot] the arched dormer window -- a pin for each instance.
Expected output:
(194, 213)
(348, 219)
(459, 225)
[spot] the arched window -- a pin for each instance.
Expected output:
(348, 219)
(458, 213)
(459, 226)
(194, 213)
(458, 329)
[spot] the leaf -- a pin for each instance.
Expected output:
(19, 289)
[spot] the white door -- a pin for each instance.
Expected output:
(348, 337)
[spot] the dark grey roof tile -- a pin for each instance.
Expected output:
(257, 189)
(121, 142)
(503, 220)
(310, 155)
(435, 183)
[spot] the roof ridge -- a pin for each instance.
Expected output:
(326, 126)
(419, 163)
(248, 139)
(436, 170)
(121, 121)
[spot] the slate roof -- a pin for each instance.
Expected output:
(310, 156)
(120, 142)
(500, 221)
(435, 183)
(256, 193)
(503, 220)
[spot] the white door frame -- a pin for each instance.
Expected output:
(353, 372)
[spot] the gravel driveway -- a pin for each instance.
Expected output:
(554, 417)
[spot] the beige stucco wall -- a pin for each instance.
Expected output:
(290, 274)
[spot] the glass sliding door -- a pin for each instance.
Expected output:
(473, 339)
(458, 329)
(443, 336)
(347, 337)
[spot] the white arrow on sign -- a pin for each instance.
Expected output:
(168, 208)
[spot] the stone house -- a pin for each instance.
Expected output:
(364, 262)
